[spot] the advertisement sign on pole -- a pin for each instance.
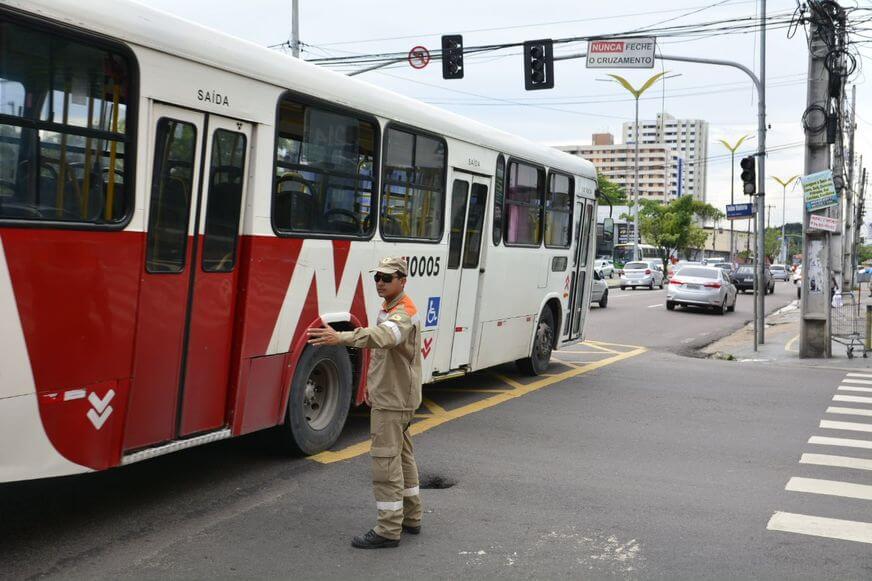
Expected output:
(621, 53)
(819, 190)
(825, 223)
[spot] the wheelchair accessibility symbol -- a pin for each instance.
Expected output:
(432, 312)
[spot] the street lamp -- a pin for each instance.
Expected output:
(784, 184)
(636, 94)
(733, 149)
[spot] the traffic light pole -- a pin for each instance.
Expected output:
(761, 152)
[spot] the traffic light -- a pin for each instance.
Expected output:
(538, 64)
(452, 56)
(749, 175)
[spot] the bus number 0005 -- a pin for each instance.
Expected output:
(423, 265)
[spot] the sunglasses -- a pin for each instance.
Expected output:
(386, 278)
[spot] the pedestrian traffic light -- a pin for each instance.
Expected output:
(749, 175)
(452, 56)
(538, 64)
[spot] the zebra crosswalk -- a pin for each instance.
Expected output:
(853, 454)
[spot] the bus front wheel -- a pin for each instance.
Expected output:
(543, 344)
(319, 400)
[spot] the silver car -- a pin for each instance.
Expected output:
(701, 286)
(599, 291)
(642, 273)
(780, 272)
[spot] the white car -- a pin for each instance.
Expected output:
(780, 272)
(605, 268)
(599, 291)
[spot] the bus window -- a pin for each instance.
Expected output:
(414, 187)
(171, 189)
(524, 205)
(65, 135)
(474, 225)
(323, 172)
(558, 211)
(458, 214)
(226, 175)
(499, 193)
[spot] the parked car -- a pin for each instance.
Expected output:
(744, 276)
(701, 286)
(673, 268)
(599, 291)
(642, 273)
(780, 272)
(605, 268)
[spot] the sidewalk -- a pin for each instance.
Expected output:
(782, 343)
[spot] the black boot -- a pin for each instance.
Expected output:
(412, 529)
(373, 540)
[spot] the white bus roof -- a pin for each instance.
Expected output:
(145, 26)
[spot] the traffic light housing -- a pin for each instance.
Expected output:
(452, 56)
(539, 64)
(749, 175)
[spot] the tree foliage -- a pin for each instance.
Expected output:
(673, 227)
(613, 191)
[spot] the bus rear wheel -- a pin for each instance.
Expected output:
(543, 344)
(319, 400)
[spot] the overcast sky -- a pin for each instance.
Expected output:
(493, 88)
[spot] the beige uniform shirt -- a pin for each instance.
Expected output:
(394, 378)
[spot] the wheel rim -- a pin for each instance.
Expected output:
(321, 394)
(544, 337)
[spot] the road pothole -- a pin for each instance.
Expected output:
(437, 482)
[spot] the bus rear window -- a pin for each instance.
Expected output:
(64, 131)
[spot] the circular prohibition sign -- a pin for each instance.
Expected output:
(419, 57)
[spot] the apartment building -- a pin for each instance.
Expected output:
(687, 137)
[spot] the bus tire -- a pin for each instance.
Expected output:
(543, 343)
(319, 400)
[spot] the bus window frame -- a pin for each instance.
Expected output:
(572, 198)
(499, 202)
(310, 101)
(131, 122)
(423, 132)
(544, 172)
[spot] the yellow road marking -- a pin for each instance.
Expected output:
(463, 390)
(508, 380)
(432, 421)
(605, 349)
(434, 407)
(789, 344)
(585, 352)
(596, 343)
(562, 362)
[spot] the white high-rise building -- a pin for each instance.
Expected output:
(688, 138)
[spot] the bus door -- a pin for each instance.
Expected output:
(196, 194)
(462, 278)
(579, 298)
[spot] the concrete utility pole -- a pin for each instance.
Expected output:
(814, 329)
(295, 28)
(848, 267)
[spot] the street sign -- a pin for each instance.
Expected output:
(419, 57)
(621, 53)
(819, 190)
(818, 222)
(739, 211)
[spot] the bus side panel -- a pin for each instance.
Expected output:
(76, 295)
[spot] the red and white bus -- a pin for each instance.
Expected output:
(178, 206)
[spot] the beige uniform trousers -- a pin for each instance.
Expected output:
(394, 472)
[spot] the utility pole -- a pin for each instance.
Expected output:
(814, 330)
(295, 28)
(848, 267)
(769, 208)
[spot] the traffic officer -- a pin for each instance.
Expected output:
(393, 393)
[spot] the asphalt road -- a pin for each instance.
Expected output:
(623, 462)
(640, 317)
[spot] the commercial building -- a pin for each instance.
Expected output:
(688, 138)
(661, 169)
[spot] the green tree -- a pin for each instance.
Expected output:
(673, 228)
(613, 191)
(772, 244)
(864, 253)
